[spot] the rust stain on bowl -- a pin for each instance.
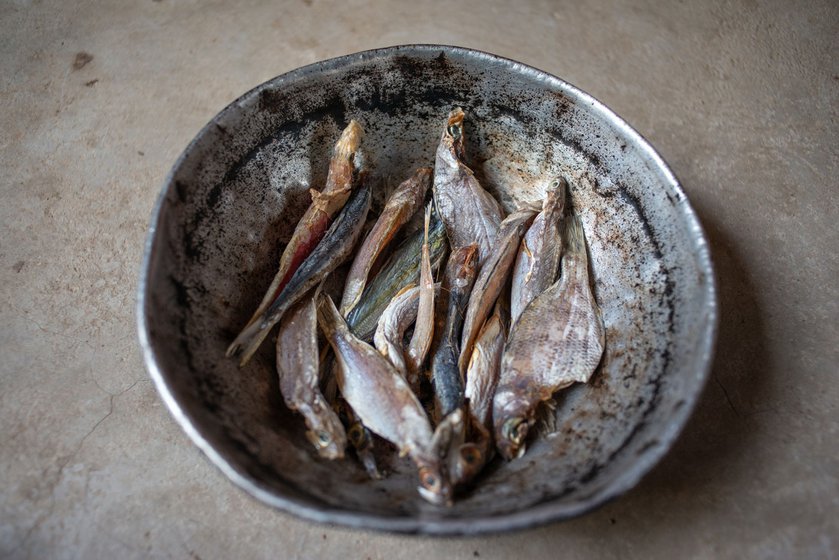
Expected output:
(234, 196)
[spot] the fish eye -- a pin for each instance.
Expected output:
(470, 455)
(428, 479)
(514, 430)
(454, 131)
(356, 435)
(323, 438)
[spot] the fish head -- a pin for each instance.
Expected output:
(359, 437)
(453, 133)
(467, 463)
(329, 444)
(434, 485)
(510, 440)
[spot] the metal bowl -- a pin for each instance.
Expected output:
(235, 194)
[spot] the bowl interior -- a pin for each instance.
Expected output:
(235, 195)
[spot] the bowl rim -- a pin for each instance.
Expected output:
(531, 516)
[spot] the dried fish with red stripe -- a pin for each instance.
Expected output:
(537, 263)
(557, 341)
(383, 401)
(344, 169)
(470, 213)
(335, 247)
(492, 278)
(402, 204)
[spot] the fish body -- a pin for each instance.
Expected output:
(537, 262)
(470, 213)
(397, 317)
(297, 366)
(492, 278)
(402, 269)
(335, 247)
(345, 166)
(481, 379)
(454, 294)
(423, 334)
(402, 204)
(383, 401)
(557, 341)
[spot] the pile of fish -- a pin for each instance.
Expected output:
(444, 344)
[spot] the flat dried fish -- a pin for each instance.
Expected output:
(401, 205)
(383, 401)
(537, 263)
(492, 278)
(557, 341)
(344, 168)
(297, 366)
(470, 213)
(335, 247)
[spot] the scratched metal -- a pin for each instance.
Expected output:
(234, 196)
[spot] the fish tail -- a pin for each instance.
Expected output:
(248, 341)
(575, 237)
(329, 319)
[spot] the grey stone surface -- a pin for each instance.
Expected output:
(98, 99)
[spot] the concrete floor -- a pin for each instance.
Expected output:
(99, 98)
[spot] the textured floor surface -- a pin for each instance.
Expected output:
(97, 99)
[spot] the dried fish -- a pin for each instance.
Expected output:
(470, 213)
(397, 317)
(344, 168)
(420, 342)
(454, 294)
(557, 341)
(383, 401)
(333, 249)
(492, 278)
(401, 205)
(537, 263)
(481, 380)
(359, 437)
(401, 269)
(297, 366)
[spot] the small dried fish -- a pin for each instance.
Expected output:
(401, 205)
(492, 278)
(383, 401)
(485, 366)
(359, 437)
(470, 213)
(557, 341)
(401, 269)
(345, 166)
(420, 342)
(333, 249)
(454, 294)
(297, 366)
(537, 263)
(481, 380)
(397, 317)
